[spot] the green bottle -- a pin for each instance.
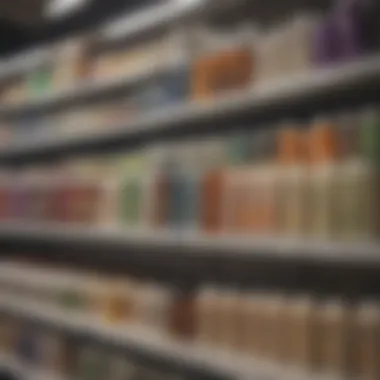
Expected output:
(370, 143)
(132, 191)
(370, 137)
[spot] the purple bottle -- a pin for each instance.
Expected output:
(350, 18)
(347, 32)
(326, 46)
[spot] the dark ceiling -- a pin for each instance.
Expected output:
(22, 23)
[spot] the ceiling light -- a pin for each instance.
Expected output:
(60, 8)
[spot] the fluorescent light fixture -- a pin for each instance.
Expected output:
(148, 17)
(60, 8)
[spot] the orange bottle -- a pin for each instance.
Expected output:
(212, 186)
(212, 201)
(222, 72)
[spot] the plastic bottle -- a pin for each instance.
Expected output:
(370, 185)
(336, 320)
(212, 186)
(264, 186)
(207, 316)
(324, 181)
(354, 177)
(132, 191)
(237, 193)
(352, 22)
(367, 347)
(294, 182)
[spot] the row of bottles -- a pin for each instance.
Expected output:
(226, 57)
(53, 353)
(143, 305)
(314, 179)
(190, 63)
(298, 332)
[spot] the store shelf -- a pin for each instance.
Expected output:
(24, 62)
(190, 357)
(192, 245)
(322, 87)
(125, 27)
(23, 371)
(87, 91)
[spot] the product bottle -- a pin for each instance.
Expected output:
(367, 350)
(227, 66)
(191, 172)
(4, 193)
(354, 178)
(237, 193)
(109, 187)
(182, 315)
(302, 337)
(324, 181)
(352, 22)
(336, 320)
(159, 187)
(228, 328)
(265, 185)
(212, 187)
(370, 138)
(206, 315)
(273, 308)
(132, 194)
(326, 46)
(184, 199)
(293, 188)
(254, 323)
(301, 31)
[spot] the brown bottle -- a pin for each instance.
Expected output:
(212, 187)
(222, 72)
(335, 322)
(254, 325)
(206, 316)
(182, 315)
(303, 336)
(367, 352)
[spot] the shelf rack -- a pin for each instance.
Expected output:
(353, 81)
(91, 90)
(24, 62)
(119, 241)
(322, 87)
(122, 28)
(23, 371)
(191, 358)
